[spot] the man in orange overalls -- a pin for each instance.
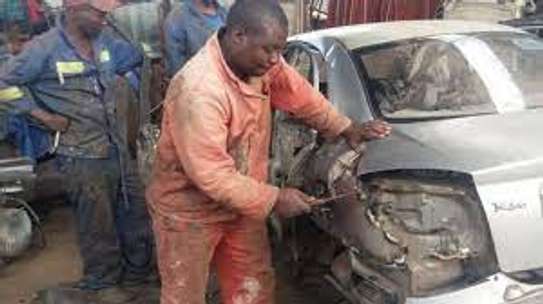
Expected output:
(208, 195)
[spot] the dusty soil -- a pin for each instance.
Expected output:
(38, 269)
(58, 262)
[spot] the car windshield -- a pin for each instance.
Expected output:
(456, 75)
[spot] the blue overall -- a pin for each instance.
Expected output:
(114, 237)
(186, 30)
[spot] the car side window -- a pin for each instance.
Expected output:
(311, 65)
(300, 59)
(344, 86)
(424, 78)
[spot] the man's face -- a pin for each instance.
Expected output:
(259, 51)
(91, 20)
(16, 46)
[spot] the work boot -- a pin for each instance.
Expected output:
(95, 282)
(115, 295)
(133, 279)
(144, 294)
(88, 284)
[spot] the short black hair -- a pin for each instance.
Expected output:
(16, 33)
(252, 14)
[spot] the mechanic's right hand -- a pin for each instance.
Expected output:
(292, 202)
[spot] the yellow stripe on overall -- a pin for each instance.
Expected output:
(10, 93)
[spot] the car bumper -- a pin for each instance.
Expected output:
(497, 289)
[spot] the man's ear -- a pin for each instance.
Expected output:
(239, 36)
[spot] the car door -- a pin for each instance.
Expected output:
(291, 139)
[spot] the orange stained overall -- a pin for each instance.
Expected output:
(208, 195)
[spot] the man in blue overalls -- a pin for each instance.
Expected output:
(187, 28)
(70, 72)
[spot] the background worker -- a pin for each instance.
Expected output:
(187, 29)
(69, 72)
(16, 39)
(208, 195)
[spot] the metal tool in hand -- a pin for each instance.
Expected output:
(321, 201)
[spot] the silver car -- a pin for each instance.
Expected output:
(449, 208)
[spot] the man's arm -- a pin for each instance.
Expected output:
(199, 127)
(52, 121)
(127, 60)
(15, 75)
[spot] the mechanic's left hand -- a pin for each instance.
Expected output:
(357, 133)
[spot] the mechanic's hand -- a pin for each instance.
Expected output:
(292, 202)
(357, 133)
(58, 123)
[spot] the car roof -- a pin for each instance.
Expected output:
(358, 36)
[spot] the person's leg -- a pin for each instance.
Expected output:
(184, 257)
(135, 231)
(243, 262)
(92, 189)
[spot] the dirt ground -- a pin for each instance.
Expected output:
(38, 269)
(58, 262)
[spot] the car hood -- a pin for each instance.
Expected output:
(483, 146)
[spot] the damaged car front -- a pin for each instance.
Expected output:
(449, 208)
